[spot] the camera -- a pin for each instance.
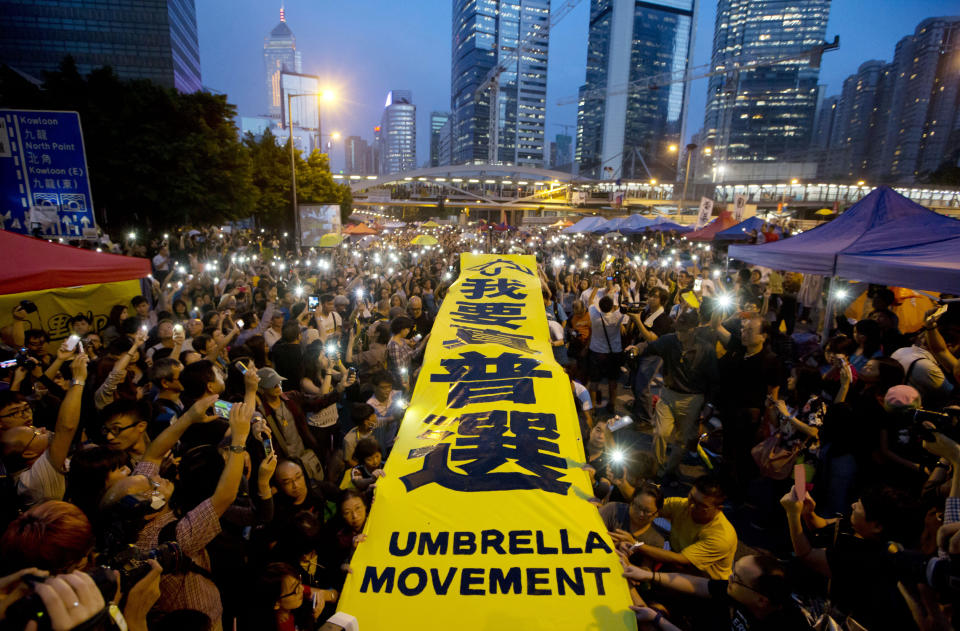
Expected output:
(940, 573)
(633, 307)
(131, 562)
(946, 423)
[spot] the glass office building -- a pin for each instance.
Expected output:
(765, 113)
(148, 39)
(398, 133)
(504, 125)
(631, 107)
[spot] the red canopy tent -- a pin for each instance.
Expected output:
(706, 233)
(35, 265)
(359, 229)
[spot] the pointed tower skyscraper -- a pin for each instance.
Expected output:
(280, 54)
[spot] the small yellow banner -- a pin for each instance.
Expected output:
(482, 520)
(55, 307)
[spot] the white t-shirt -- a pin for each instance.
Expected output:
(585, 296)
(582, 395)
(556, 330)
(329, 323)
(41, 482)
(161, 263)
(612, 322)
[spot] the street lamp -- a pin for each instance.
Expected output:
(686, 176)
(327, 96)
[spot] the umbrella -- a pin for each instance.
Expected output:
(563, 223)
(824, 211)
(424, 239)
(500, 227)
(330, 240)
(430, 224)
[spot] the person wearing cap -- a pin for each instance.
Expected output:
(286, 415)
(401, 351)
(902, 458)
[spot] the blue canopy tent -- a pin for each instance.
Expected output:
(612, 225)
(932, 266)
(584, 225)
(739, 232)
(662, 224)
(635, 224)
(884, 220)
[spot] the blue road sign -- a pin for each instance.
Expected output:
(43, 174)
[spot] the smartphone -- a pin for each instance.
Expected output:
(222, 409)
(619, 423)
(267, 446)
(72, 342)
(178, 328)
(239, 324)
(697, 284)
(312, 302)
(800, 481)
(609, 277)
(143, 328)
(9, 363)
(241, 368)
(417, 337)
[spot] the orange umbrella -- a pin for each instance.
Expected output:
(361, 229)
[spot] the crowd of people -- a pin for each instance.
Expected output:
(217, 441)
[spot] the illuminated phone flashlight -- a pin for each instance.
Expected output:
(715, 273)
(400, 403)
(725, 301)
(216, 281)
(298, 291)
(239, 324)
(446, 276)
(840, 294)
(359, 293)
(132, 236)
(331, 349)
(403, 370)
(617, 456)
(181, 269)
(166, 236)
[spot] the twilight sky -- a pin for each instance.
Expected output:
(364, 48)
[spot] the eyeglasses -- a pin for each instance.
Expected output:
(296, 590)
(36, 433)
(739, 581)
(18, 411)
(118, 430)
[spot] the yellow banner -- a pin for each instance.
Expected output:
(55, 307)
(482, 520)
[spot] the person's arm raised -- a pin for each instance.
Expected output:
(226, 491)
(814, 558)
(68, 418)
(163, 443)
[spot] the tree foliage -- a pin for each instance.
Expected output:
(161, 158)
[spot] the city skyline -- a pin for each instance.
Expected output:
(363, 58)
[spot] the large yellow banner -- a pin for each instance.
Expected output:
(55, 307)
(483, 520)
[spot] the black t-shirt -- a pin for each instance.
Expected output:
(691, 369)
(864, 584)
(745, 380)
(741, 619)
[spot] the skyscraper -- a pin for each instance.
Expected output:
(437, 121)
(280, 55)
(358, 156)
(155, 39)
(765, 113)
(398, 133)
(619, 129)
(487, 33)
(895, 122)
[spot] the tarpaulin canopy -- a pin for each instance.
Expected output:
(360, 229)
(635, 224)
(740, 231)
(584, 225)
(707, 233)
(932, 266)
(883, 220)
(612, 225)
(35, 264)
(663, 224)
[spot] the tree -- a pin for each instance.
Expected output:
(271, 179)
(315, 183)
(156, 157)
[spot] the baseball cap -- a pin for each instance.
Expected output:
(269, 378)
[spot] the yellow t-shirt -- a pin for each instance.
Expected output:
(709, 547)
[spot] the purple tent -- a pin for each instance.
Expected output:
(883, 220)
(932, 266)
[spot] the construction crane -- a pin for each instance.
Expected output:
(491, 81)
(811, 55)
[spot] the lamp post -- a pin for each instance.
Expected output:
(326, 95)
(686, 177)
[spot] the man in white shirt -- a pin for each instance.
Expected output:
(329, 322)
(924, 373)
(161, 262)
(272, 335)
